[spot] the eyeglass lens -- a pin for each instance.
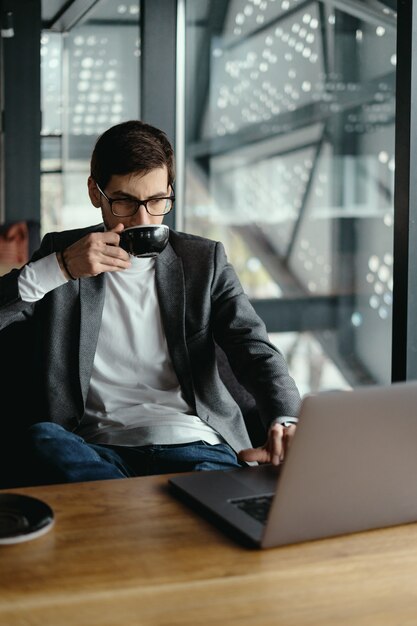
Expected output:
(155, 206)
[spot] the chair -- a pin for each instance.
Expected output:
(19, 393)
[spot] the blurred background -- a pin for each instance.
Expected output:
(283, 117)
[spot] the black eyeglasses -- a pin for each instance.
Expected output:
(126, 207)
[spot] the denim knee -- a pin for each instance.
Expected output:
(46, 430)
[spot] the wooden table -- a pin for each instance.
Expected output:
(125, 552)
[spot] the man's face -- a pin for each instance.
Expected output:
(14, 246)
(136, 186)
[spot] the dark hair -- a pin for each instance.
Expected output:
(130, 147)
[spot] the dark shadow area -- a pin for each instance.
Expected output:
(244, 399)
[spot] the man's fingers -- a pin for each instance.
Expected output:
(279, 439)
(97, 253)
(117, 229)
(115, 252)
(254, 454)
(110, 238)
(275, 443)
(290, 432)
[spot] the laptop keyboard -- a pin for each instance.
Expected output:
(255, 506)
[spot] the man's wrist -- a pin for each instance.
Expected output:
(64, 266)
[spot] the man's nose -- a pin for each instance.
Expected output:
(141, 217)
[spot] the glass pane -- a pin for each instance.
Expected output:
(308, 363)
(100, 79)
(290, 162)
(51, 133)
(51, 81)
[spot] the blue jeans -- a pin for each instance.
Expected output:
(61, 456)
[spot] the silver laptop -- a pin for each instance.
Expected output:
(352, 467)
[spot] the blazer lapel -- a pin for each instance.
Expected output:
(92, 292)
(171, 295)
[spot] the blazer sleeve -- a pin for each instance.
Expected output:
(258, 365)
(12, 307)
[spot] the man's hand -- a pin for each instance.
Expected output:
(273, 451)
(95, 253)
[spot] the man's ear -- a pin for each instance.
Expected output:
(94, 193)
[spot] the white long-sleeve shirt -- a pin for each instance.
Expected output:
(134, 398)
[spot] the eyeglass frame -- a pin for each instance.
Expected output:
(138, 202)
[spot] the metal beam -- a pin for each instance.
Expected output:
(262, 248)
(301, 313)
(217, 12)
(362, 9)
(284, 123)
(320, 316)
(158, 68)
(271, 148)
(69, 15)
(368, 11)
(284, 15)
(21, 115)
(302, 210)
(404, 327)
(352, 369)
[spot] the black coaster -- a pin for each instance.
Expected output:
(23, 518)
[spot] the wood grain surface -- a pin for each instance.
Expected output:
(126, 552)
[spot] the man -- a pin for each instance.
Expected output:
(124, 347)
(14, 245)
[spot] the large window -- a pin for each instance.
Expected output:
(90, 81)
(289, 160)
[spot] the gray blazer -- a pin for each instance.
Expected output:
(201, 302)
